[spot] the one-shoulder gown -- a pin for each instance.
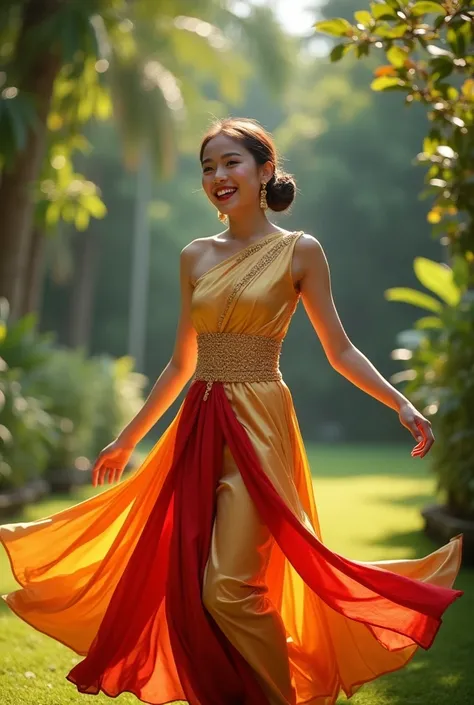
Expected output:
(202, 576)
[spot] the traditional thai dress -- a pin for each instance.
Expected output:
(202, 576)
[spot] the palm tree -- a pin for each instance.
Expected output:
(68, 57)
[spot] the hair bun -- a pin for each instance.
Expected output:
(281, 191)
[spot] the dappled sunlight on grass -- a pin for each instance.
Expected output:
(368, 500)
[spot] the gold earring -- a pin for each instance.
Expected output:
(263, 196)
(222, 217)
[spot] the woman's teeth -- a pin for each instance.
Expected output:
(224, 194)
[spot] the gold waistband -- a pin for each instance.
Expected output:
(236, 357)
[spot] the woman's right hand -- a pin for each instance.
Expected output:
(112, 461)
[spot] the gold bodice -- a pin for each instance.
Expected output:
(241, 309)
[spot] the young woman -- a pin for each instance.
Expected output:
(202, 577)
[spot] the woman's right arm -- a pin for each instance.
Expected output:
(114, 457)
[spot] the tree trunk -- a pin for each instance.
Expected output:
(16, 203)
(137, 327)
(33, 288)
(82, 294)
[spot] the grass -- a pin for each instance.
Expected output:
(369, 499)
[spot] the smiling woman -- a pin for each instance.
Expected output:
(203, 577)
(229, 155)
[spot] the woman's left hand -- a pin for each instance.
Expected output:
(419, 427)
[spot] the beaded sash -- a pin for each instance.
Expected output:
(237, 357)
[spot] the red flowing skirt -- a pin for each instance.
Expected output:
(158, 598)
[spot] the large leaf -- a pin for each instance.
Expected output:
(397, 56)
(385, 83)
(429, 322)
(382, 11)
(437, 278)
(337, 27)
(426, 7)
(363, 17)
(413, 297)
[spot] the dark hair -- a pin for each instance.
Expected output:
(281, 188)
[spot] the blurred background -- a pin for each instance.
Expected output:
(119, 192)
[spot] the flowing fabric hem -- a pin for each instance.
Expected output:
(109, 695)
(25, 619)
(207, 666)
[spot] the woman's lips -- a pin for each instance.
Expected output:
(226, 196)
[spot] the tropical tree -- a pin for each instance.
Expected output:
(429, 50)
(65, 63)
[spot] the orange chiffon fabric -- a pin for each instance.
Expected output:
(117, 578)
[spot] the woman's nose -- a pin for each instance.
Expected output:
(220, 173)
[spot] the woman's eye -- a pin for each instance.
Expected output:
(232, 162)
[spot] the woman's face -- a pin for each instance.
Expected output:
(230, 175)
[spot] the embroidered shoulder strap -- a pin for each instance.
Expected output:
(257, 268)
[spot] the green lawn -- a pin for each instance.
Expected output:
(369, 500)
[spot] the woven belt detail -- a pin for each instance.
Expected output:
(237, 357)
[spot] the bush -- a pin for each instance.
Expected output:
(27, 434)
(27, 431)
(440, 377)
(120, 398)
(65, 385)
(58, 408)
(90, 399)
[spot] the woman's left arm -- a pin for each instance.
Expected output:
(314, 281)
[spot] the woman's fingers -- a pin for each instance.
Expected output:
(108, 465)
(96, 470)
(422, 427)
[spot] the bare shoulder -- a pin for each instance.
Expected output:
(308, 245)
(196, 248)
(199, 250)
(308, 255)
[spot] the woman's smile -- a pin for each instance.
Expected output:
(224, 193)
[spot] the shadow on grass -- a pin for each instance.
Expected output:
(414, 542)
(414, 500)
(359, 460)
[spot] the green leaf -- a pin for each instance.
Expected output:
(413, 297)
(382, 11)
(364, 17)
(426, 7)
(428, 322)
(81, 221)
(94, 205)
(337, 27)
(52, 213)
(442, 66)
(430, 146)
(68, 212)
(338, 52)
(362, 49)
(397, 56)
(438, 279)
(384, 83)
(461, 271)
(387, 32)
